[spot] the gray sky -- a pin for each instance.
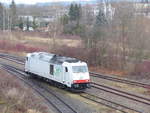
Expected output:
(35, 1)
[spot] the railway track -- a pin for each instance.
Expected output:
(93, 74)
(22, 72)
(113, 104)
(119, 93)
(40, 88)
(12, 58)
(53, 99)
(124, 94)
(121, 80)
(130, 96)
(108, 103)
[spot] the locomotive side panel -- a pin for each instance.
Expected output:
(45, 69)
(36, 66)
(57, 72)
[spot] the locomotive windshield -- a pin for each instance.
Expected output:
(79, 69)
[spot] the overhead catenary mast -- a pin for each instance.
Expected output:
(3, 19)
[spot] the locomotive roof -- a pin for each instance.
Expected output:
(53, 58)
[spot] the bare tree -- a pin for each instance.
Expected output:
(122, 20)
(54, 28)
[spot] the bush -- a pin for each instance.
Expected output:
(5, 45)
(141, 69)
(74, 29)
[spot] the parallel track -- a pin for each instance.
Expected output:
(110, 106)
(14, 70)
(60, 105)
(108, 103)
(108, 89)
(127, 95)
(93, 74)
(12, 58)
(121, 80)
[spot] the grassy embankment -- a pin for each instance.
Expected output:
(15, 97)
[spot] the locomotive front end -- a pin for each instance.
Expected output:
(80, 74)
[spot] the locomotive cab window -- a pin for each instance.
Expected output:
(80, 69)
(66, 69)
(51, 69)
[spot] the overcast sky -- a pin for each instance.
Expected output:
(35, 1)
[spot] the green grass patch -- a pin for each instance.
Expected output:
(2, 102)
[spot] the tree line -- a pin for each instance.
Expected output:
(10, 20)
(8, 16)
(120, 42)
(73, 22)
(111, 42)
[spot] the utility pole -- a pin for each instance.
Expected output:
(8, 18)
(4, 19)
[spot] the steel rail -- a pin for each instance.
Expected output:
(37, 90)
(121, 80)
(12, 70)
(93, 74)
(122, 93)
(120, 105)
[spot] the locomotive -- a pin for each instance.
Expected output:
(64, 71)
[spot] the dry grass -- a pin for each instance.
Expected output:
(108, 71)
(126, 87)
(21, 43)
(16, 98)
(25, 38)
